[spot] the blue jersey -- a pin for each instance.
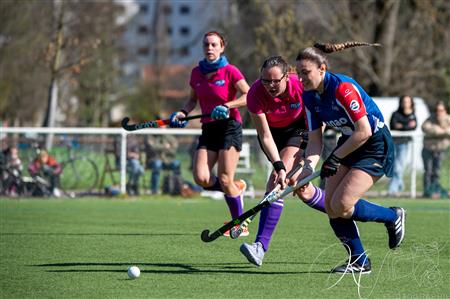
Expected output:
(342, 103)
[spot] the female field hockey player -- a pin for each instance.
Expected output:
(214, 84)
(364, 152)
(276, 108)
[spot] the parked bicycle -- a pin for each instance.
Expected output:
(79, 173)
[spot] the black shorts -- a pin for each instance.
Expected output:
(376, 156)
(292, 135)
(221, 135)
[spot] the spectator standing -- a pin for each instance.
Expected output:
(435, 143)
(403, 119)
(134, 167)
(161, 154)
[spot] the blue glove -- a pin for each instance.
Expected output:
(220, 112)
(175, 121)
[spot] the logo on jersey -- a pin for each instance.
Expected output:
(347, 92)
(294, 105)
(337, 122)
(219, 83)
(354, 105)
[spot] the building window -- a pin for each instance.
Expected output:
(169, 30)
(144, 51)
(142, 29)
(184, 51)
(167, 9)
(143, 8)
(184, 30)
(185, 9)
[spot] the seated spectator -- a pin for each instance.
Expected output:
(403, 119)
(161, 153)
(435, 144)
(11, 171)
(46, 166)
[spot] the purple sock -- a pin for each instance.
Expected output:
(268, 221)
(318, 200)
(235, 205)
(215, 187)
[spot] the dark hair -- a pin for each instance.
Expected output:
(275, 61)
(318, 51)
(441, 103)
(400, 100)
(220, 36)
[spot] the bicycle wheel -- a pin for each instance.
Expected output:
(79, 175)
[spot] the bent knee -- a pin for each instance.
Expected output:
(306, 193)
(339, 209)
(202, 181)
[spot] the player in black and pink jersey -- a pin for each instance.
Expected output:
(276, 108)
(364, 152)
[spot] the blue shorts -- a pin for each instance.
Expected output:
(221, 135)
(376, 156)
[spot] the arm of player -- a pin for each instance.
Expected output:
(242, 87)
(270, 148)
(361, 134)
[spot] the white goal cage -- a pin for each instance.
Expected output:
(97, 140)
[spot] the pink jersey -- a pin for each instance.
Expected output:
(216, 90)
(280, 112)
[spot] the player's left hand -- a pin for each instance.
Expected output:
(330, 166)
(220, 112)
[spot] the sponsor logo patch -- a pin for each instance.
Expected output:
(354, 105)
(219, 83)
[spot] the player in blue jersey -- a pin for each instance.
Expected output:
(364, 152)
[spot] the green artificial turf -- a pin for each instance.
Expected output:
(81, 248)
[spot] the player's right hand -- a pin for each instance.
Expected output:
(175, 121)
(280, 179)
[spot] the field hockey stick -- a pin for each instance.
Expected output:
(206, 237)
(155, 123)
(235, 232)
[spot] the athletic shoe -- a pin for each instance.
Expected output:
(244, 233)
(227, 233)
(353, 266)
(254, 253)
(242, 186)
(396, 229)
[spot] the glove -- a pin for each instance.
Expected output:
(175, 121)
(330, 166)
(220, 112)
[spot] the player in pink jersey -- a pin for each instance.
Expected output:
(214, 85)
(276, 107)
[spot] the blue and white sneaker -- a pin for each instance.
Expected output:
(254, 253)
(396, 229)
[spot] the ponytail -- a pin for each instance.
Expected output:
(318, 51)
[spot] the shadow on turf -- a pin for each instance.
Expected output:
(101, 234)
(180, 268)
